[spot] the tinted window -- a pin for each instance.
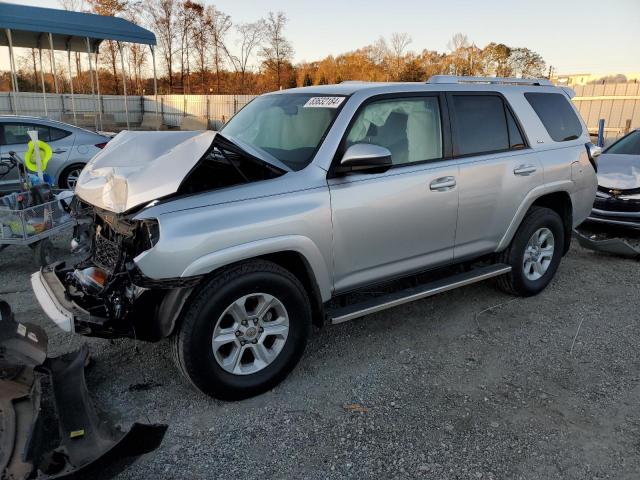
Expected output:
(481, 124)
(556, 115)
(57, 134)
(16, 133)
(629, 145)
(409, 127)
(515, 137)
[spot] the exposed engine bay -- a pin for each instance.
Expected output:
(112, 298)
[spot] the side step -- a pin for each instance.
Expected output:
(367, 307)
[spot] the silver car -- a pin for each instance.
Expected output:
(234, 244)
(618, 198)
(72, 147)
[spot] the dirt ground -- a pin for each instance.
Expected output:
(471, 384)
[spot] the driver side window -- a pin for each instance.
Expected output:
(409, 127)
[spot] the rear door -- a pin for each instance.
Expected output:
(497, 169)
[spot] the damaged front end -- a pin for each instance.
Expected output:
(106, 294)
(49, 428)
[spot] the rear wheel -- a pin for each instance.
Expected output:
(244, 331)
(69, 176)
(534, 253)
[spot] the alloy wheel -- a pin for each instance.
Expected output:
(538, 254)
(250, 333)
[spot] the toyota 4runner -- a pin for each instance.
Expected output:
(234, 243)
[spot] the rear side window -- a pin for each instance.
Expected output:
(556, 115)
(483, 124)
(57, 133)
(16, 133)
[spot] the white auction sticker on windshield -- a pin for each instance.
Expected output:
(324, 102)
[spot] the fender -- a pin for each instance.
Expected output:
(297, 243)
(566, 186)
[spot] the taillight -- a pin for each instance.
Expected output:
(101, 145)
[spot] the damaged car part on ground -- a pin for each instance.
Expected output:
(49, 427)
(617, 204)
(233, 244)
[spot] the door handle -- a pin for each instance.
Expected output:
(525, 170)
(59, 150)
(442, 184)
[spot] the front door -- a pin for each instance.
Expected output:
(403, 220)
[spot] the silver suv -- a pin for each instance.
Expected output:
(235, 243)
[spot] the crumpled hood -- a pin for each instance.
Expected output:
(619, 172)
(138, 167)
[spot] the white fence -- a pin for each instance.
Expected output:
(618, 104)
(216, 109)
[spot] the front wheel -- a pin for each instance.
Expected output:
(244, 331)
(534, 253)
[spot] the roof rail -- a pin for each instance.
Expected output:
(490, 80)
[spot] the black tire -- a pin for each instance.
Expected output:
(43, 253)
(192, 342)
(63, 179)
(516, 282)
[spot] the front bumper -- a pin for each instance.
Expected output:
(617, 211)
(65, 313)
(613, 245)
(49, 427)
(50, 296)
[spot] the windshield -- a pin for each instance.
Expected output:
(629, 145)
(289, 127)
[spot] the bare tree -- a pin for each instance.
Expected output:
(110, 8)
(399, 43)
(250, 35)
(163, 21)
(201, 38)
(187, 15)
(220, 26)
(458, 45)
(278, 50)
(74, 6)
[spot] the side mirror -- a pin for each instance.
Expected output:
(365, 157)
(595, 151)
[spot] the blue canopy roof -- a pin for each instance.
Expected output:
(30, 27)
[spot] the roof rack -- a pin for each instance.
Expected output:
(490, 80)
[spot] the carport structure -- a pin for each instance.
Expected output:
(52, 29)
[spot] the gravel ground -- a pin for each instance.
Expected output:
(471, 384)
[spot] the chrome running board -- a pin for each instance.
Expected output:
(367, 307)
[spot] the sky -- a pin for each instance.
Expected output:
(588, 36)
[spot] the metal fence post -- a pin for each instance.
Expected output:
(162, 108)
(601, 132)
(184, 105)
(208, 112)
